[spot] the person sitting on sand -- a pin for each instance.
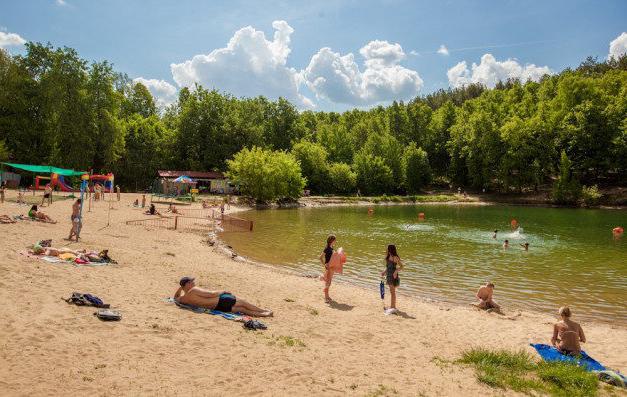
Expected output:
(6, 219)
(172, 209)
(567, 334)
(485, 296)
(506, 244)
(152, 210)
(38, 215)
(525, 246)
(205, 204)
(223, 301)
(136, 203)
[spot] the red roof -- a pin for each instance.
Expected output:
(191, 174)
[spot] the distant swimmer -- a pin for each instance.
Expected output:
(495, 232)
(506, 244)
(485, 295)
(370, 211)
(525, 246)
(567, 334)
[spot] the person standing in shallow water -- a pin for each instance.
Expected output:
(325, 258)
(393, 265)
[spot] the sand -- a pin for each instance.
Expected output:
(48, 347)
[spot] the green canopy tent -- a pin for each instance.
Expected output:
(41, 169)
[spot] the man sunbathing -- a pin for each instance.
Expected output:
(6, 219)
(567, 334)
(485, 294)
(223, 301)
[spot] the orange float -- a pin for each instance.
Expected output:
(421, 215)
(514, 223)
(618, 230)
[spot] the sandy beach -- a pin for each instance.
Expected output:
(48, 347)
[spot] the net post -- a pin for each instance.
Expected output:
(176, 222)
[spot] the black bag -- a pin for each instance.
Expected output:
(108, 315)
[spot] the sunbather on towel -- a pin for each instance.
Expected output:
(223, 301)
(6, 219)
(567, 334)
(51, 251)
(38, 215)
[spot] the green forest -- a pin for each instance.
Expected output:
(568, 131)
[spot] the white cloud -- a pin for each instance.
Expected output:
(414, 53)
(249, 65)
(61, 3)
(618, 46)
(10, 39)
(337, 77)
(490, 71)
(163, 92)
(442, 50)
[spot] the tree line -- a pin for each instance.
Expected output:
(57, 108)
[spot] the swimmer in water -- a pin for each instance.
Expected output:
(525, 246)
(495, 232)
(506, 244)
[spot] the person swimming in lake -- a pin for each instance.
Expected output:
(495, 232)
(567, 334)
(223, 301)
(485, 294)
(393, 265)
(506, 244)
(525, 246)
(325, 258)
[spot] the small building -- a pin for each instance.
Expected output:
(206, 181)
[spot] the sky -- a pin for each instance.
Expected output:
(327, 55)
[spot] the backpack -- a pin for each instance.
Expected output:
(86, 300)
(108, 315)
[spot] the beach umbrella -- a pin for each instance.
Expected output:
(183, 179)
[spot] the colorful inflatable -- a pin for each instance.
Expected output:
(337, 261)
(618, 230)
(514, 223)
(421, 215)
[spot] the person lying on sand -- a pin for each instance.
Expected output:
(6, 219)
(223, 301)
(485, 295)
(567, 334)
(38, 215)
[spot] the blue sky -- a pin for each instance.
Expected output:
(398, 40)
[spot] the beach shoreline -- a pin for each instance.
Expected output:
(349, 347)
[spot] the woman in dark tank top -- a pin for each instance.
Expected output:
(325, 257)
(393, 265)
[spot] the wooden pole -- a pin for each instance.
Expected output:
(176, 222)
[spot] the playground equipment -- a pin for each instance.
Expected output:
(107, 181)
(55, 180)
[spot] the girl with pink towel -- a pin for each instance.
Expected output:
(333, 263)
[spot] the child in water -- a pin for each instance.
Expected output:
(393, 266)
(506, 244)
(325, 257)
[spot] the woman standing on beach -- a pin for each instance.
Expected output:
(393, 266)
(325, 258)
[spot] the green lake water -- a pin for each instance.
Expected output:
(573, 258)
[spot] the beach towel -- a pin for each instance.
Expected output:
(549, 353)
(197, 309)
(607, 375)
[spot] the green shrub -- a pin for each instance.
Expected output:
(591, 195)
(568, 379)
(342, 179)
(373, 175)
(313, 163)
(416, 169)
(567, 189)
(266, 175)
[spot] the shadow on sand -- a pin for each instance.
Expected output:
(340, 306)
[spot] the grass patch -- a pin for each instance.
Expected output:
(517, 371)
(382, 390)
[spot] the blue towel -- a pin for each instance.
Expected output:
(549, 353)
(197, 309)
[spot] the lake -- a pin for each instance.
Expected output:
(573, 258)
